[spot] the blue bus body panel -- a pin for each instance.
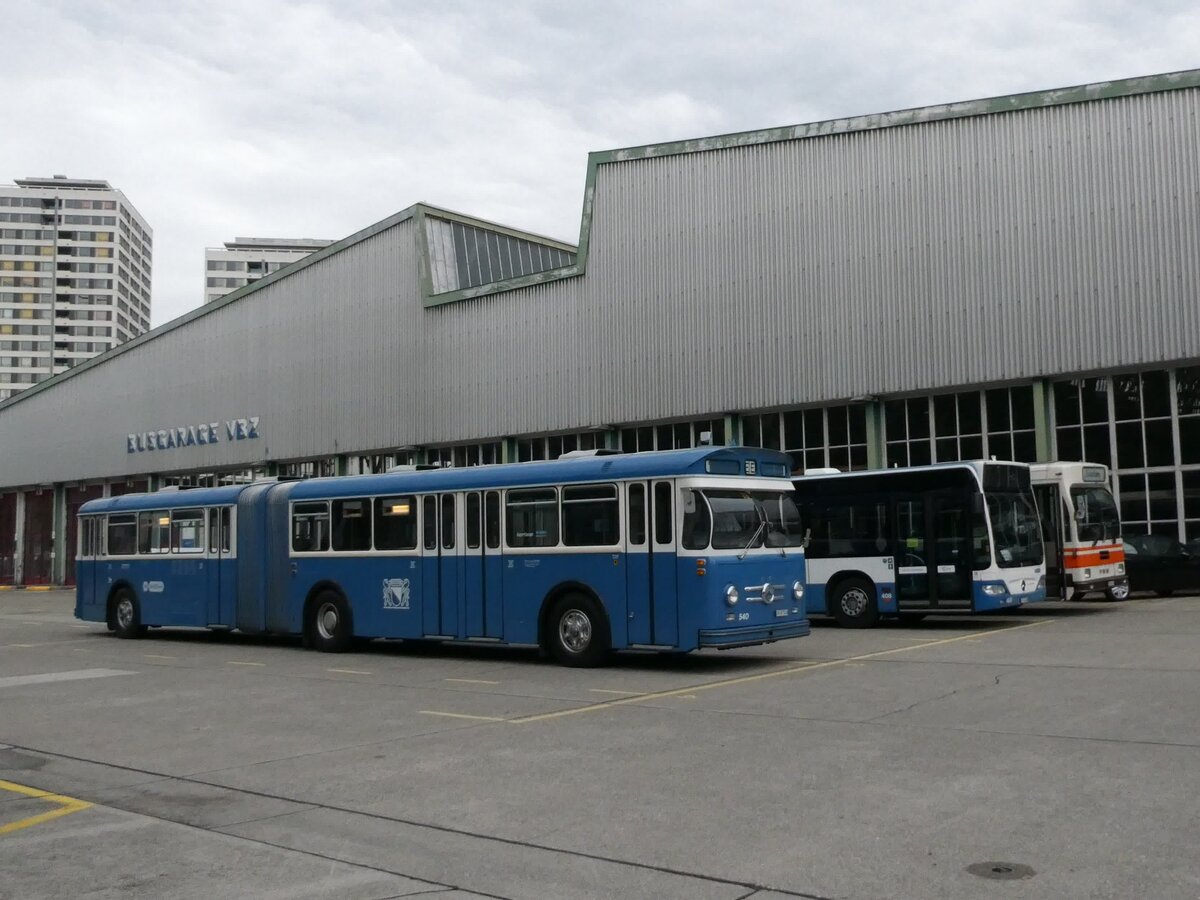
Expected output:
(707, 620)
(90, 603)
(816, 598)
(985, 602)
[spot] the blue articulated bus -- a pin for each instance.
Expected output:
(948, 538)
(668, 551)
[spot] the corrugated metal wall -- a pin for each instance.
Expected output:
(902, 259)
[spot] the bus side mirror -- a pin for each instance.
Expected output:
(689, 503)
(807, 539)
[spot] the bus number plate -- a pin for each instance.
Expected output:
(780, 613)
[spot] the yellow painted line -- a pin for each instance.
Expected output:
(763, 676)
(6, 587)
(348, 671)
(39, 587)
(471, 681)
(66, 806)
(234, 662)
(622, 693)
(450, 715)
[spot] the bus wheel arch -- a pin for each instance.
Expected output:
(124, 612)
(327, 624)
(573, 626)
(852, 600)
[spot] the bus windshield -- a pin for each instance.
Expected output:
(1016, 529)
(1096, 516)
(746, 519)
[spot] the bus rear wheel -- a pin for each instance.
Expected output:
(329, 627)
(577, 632)
(853, 604)
(126, 616)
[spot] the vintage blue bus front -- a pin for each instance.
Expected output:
(740, 562)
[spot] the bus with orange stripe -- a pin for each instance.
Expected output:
(1081, 530)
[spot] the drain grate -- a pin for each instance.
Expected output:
(1001, 871)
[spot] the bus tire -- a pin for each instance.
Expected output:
(329, 626)
(853, 604)
(577, 631)
(126, 615)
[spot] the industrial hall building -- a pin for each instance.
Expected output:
(1016, 277)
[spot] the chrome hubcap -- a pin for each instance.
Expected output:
(125, 613)
(1120, 591)
(854, 602)
(327, 621)
(575, 630)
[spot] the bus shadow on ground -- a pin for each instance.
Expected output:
(700, 663)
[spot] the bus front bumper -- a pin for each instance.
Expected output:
(749, 636)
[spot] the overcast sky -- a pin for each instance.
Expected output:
(271, 119)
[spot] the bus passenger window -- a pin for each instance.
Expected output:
(637, 514)
(154, 532)
(214, 530)
(662, 512)
(492, 519)
(351, 525)
(310, 527)
(447, 521)
(395, 523)
(589, 516)
(225, 526)
(473, 521)
(122, 535)
(187, 531)
(429, 521)
(532, 518)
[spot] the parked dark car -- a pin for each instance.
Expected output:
(1156, 562)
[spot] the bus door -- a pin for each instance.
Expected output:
(1050, 512)
(481, 565)
(912, 554)
(637, 565)
(220, 568)
(442, 579)
(493, 568)
(951, 535)
(664, 594)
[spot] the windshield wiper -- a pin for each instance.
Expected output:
(754, 537)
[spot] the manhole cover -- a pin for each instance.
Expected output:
(1001, 871)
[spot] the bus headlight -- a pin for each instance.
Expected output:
(995, 589)
(731, 595)
(1120, 568)
(798, 591)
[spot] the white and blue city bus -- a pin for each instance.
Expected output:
(668, 551)
(948, 538)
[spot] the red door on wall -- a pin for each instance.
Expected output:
(38, 537)
(8, 537)
(76, 497)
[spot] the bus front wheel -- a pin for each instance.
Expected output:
(126, 619)
(853, 604)
(578, 632)
(329, 623)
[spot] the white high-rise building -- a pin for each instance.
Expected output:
(244, 260)
(74, 276)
